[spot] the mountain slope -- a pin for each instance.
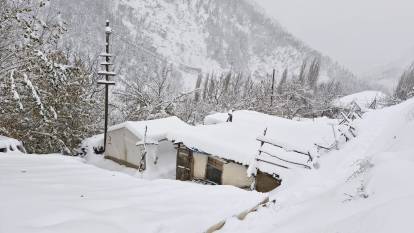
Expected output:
(194, 36)
(389, 74)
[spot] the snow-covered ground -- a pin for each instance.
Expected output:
(363, 99)
(364, 187)
(56, 194)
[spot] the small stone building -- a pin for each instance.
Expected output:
(233, 153)
(127, 142)
(195, 165)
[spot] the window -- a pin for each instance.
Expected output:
(214, 174)
(3, 150)
(214, 170)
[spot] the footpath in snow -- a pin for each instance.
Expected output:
(57, 194)
(365, 187)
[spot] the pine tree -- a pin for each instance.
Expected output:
(197, 87)
(313, 74)
(282, 81)
(302, 74)
(405, 86)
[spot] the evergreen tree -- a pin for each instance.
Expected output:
(405, 86)
(282, 82)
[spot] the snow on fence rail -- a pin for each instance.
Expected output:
(285, 156)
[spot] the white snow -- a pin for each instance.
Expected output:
(216, 118)
(363, 187)
(16, 95)
(34, 94)
(157, 129)
(237, 140)
(10, 145)
(53, 193)
(363, 99)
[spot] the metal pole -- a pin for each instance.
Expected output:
(106, 86)
(106, 81)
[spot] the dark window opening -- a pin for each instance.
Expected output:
(3, 150)
(214, 174)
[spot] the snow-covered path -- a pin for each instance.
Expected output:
(56, 194)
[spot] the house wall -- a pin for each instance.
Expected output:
(121, 146)
(165, 167)
(232, 173)
(200, 164)
(265, 182)
(236, 174)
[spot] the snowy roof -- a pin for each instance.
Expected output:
(216, 118)
(6, 142)
(363, 99)
(237, 140)
(157, 129)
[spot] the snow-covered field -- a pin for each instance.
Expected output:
(365, 187)
(56, 194)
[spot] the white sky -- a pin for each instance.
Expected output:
(360, 34)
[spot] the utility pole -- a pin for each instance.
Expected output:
(273, 88)
(107, 82)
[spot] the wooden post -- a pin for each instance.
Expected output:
(253, 185)
(106, 81)
(273, 88)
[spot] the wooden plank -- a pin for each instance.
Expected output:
(184, 164)
(278, 165)
(265, 140)
(287, 161)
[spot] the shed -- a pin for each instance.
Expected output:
(223, 151)
(11, 145)
(144, 145)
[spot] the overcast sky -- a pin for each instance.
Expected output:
(361, 34)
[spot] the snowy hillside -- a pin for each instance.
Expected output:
(363, 187)
(207, 36)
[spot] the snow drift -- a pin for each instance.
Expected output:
(364, 187)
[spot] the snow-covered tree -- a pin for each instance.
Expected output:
(44, 92)
(405, 86)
